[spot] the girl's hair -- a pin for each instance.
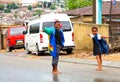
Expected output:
(94, 28)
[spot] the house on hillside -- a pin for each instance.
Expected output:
(9, 1)
(29, 2)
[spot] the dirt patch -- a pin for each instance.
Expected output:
(76, 54)
(110, 57)
(16, 50)
(88, 55)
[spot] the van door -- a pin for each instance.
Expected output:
(33, 36)
(45, 36)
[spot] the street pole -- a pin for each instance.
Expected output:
(97, 11)
(110, 22)
(94, 11)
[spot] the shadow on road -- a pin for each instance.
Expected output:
(48, 54)
(105, 80)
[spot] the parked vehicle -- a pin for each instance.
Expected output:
(15, 38)
(37, 41)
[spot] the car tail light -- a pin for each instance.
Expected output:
(41, 38)
(73, 36)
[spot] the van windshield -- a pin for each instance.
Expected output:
(17, 31)
(65, 25)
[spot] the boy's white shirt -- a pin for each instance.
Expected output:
(99, 36)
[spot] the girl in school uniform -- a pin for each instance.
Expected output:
(99, 46)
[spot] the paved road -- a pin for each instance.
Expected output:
(25, 69)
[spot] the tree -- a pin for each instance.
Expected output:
(49, 4)
(38, 12)
(44, 4)
(61, 6)
(39, 5)
(1, 7)
(9, 6)
(15, 15)
(12, 6)
(52, 7)
(7, 11)
(29, 7)
(72, 4)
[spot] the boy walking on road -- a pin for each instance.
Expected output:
(56, 42)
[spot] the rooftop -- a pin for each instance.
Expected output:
(88, 10)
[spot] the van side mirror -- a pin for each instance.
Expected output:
(24, 32)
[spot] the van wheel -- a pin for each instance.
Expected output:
(27, 50)
(8, 49)
(37, 50)
(69, 51)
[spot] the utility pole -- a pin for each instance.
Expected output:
(94, 11)
(110, 22)
(97, 11)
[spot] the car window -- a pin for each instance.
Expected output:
(34, 28)
(65, 25)
(17, 31)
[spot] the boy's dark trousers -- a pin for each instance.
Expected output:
(56, 59)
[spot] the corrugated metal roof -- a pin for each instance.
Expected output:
(89, 10)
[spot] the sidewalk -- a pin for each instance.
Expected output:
(111, 60)
(113, 64)
(91, 62)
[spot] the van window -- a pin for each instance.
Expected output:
(34, 28)
(65, 25)
(17, 31)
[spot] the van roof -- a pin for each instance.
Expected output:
(51, 17)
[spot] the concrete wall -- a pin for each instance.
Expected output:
(87, 19)
(76, 19)
(82, 41)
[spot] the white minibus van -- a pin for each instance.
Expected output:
(37, 41)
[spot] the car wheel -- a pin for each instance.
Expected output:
(69, 51)
(8, 49)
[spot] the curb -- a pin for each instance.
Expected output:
(92, 62)
(111, 64)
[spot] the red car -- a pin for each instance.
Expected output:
(15, 38)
